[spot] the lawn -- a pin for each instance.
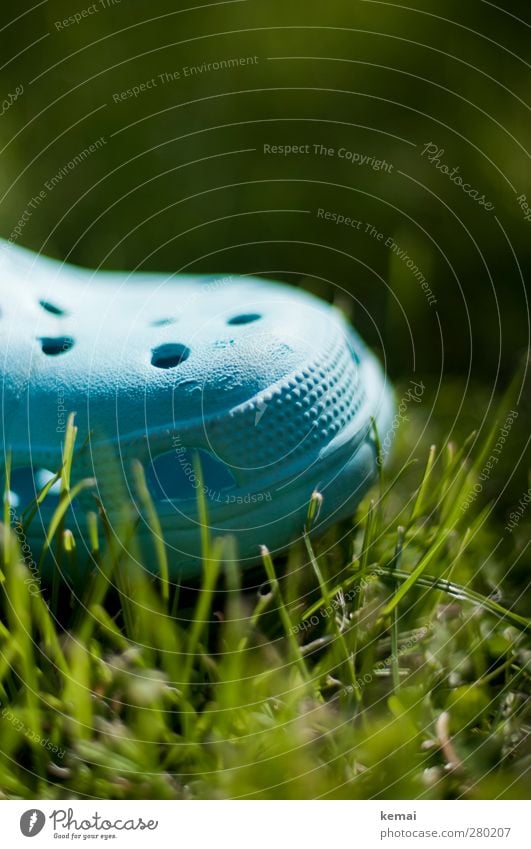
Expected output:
(385, 659)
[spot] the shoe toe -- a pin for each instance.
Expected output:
(267, 385)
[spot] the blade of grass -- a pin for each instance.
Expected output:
(421, 567)
(465, 594)
(394, 615)
(419, 501)
(155, 528)
(283, 613)
(338, 635)
(60, 511)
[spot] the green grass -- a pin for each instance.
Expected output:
(378, 661)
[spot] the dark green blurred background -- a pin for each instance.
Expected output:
(182, 182)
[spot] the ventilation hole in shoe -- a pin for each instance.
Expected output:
(172, 476)
(162, 322)
(169, 356)
(53, 308)
(52, 346)
(26, 483)
(246, 318)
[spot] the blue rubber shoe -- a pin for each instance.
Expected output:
(266, 386)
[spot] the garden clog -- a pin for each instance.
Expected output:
(250, 391)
